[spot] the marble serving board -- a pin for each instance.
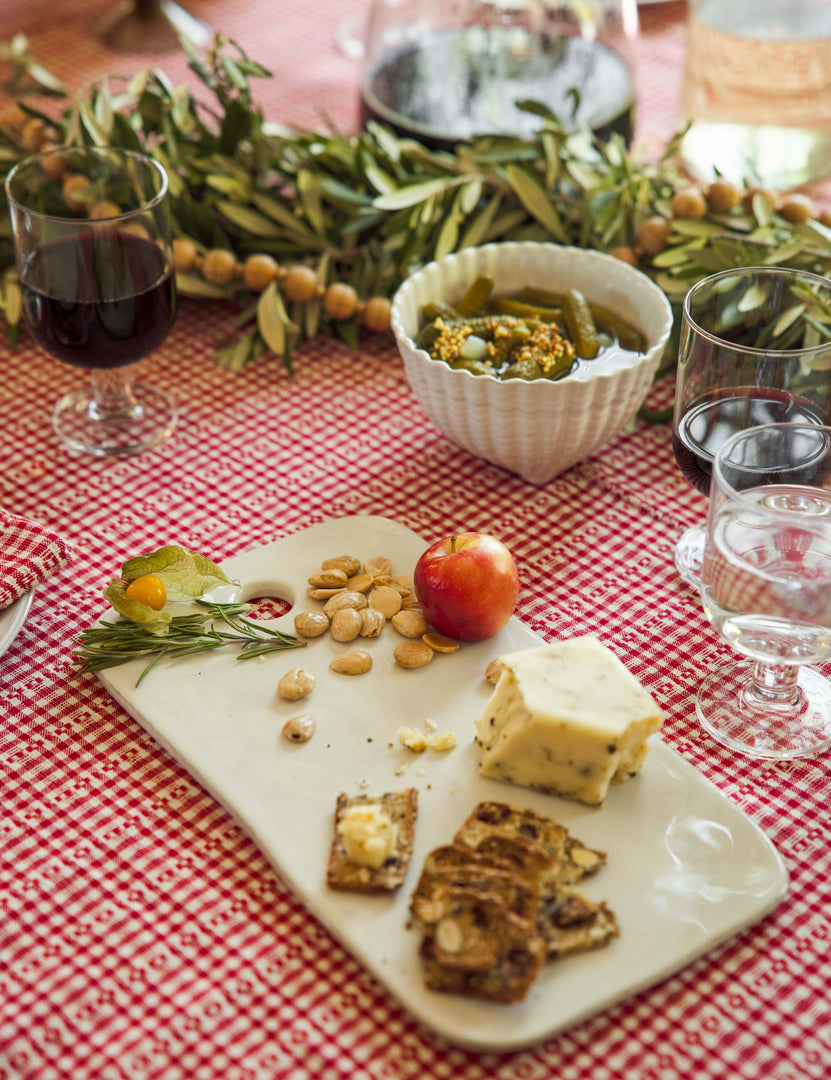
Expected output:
(686, 868)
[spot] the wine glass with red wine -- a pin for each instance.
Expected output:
(92, 236)
(755, 349)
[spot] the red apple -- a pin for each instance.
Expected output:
(467, 585)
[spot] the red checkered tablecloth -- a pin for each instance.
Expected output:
(142, 934)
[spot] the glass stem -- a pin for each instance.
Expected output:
(773, 686)
(112, 392)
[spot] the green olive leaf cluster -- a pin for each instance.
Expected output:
(369, 209)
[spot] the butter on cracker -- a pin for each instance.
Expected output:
(568, 718)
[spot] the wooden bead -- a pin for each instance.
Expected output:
(73, 189)
(53, 164)
(796, 208)
(184, 256)
(103, 209)
(653, 235)
(33, 135)
(377, 314)
(723, 196)
(135, 229)
(13, 117)
(258, 272)
(220, 266)
(764, 193)
(689, 204)
(625, 254)
(300, 283)
(340, 301)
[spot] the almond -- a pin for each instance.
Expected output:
(348, 563)
(372, 622)
(346, 624)
(440, 643)
(379, 565)
(352, 663)
(328, 579)
(311, 624)
(347, 598)
(411, 624)
(385, 600)
(413, 654)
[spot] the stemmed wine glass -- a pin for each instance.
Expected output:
(92, 236)
(755, 349)
(766, 589)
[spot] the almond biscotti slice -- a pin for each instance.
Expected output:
(571, 923)
(430, 898)
(572, 859)
(373, 841)
(580, 861)
(525, 857)
(499, 819)
(507, 980)
(467, 937)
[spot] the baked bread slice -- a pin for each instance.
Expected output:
(401, 807)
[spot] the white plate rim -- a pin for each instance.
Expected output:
(12, 619)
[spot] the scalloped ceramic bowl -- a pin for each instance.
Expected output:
(536, 429)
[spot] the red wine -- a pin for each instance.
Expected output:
(452, 84)
(99, 300)
(711, 420)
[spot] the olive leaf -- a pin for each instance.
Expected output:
(534, 198)
(248, 219)
(411, 195)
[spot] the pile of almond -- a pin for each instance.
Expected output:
(359, 599)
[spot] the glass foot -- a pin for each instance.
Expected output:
(775, 730)
(149, 421)
(689, 554)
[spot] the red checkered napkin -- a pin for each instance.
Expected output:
(29, 553)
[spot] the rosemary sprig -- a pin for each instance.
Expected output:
(110, 644)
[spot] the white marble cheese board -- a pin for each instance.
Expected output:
(686, 868)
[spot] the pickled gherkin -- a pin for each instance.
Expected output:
(530, 334)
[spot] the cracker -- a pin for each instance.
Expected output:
(341, 873)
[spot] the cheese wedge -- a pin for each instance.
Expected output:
(568, 718)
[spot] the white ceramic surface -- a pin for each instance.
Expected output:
(12, 619)
(536, 429)
(687, 869)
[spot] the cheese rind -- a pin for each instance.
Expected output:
(567, 718)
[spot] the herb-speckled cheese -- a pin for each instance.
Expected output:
(567, 718)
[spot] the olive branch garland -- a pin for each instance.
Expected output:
(367, 210)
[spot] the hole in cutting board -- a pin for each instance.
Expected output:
(267, 607)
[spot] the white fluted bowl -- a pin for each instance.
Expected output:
(537, 429)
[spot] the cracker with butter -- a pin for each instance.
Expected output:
(567, 718)
(373, 841)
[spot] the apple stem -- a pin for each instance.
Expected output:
(453, 544)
